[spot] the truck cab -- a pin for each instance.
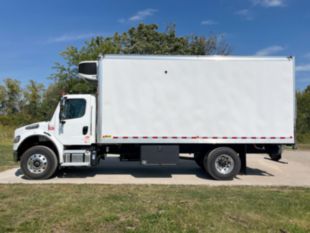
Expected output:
(65, 140)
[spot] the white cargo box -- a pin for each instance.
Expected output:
(196, 99)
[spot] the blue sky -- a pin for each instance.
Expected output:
(34, 32)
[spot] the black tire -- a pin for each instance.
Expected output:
(227, 155)
(50, 162)
(275, 152)
(275, 157)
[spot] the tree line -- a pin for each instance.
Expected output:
(303, 115)
(35, 102)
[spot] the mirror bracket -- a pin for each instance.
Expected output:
(61, 111)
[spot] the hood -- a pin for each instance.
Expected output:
(43, 125)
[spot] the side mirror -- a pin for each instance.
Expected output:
(62, 115)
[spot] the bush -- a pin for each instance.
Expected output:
(6, 134)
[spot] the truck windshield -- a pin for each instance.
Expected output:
(74, 108)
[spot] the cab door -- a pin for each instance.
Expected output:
(75, 121)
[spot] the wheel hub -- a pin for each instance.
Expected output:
(37, 163)
(224, 164)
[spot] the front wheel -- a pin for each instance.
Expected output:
(222, 163)
(39, 162)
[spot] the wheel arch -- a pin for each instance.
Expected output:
(35, 140)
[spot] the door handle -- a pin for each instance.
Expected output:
(85, 130)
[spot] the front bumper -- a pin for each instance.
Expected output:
(15, 158)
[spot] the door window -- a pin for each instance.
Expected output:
(74, 108)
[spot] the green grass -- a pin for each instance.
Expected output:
(6, 157)
(151, 208)
(6, 134)
(303, 146)
(303, 138)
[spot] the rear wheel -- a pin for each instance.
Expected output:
(39, 162)
(275, 152)
(222, 163)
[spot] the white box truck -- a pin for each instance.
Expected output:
(153, 108)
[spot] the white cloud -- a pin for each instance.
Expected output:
(303, 68)
(141, 15)
(245, 13)
(269, 3)
(208, 22)
(68, 37)
(269, 50)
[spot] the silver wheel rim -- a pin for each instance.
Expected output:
(224, 164)
(37, 163)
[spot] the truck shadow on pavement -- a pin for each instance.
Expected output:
(113, 167)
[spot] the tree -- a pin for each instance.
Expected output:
(11, 96)
(33, 96)
(303, 115)
(2, 99)
(51, 98)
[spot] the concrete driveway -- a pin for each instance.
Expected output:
(293, 170)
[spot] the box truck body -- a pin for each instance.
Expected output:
(178, 99)
(152, 108)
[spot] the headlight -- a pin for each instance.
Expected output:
(16, 139)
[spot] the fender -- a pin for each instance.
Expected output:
(40, 133)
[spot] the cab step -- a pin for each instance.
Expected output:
(76, 158)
